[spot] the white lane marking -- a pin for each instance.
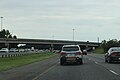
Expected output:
(96, 62)
(113, 72)
(44, 72)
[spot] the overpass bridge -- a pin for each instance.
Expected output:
(8, 41)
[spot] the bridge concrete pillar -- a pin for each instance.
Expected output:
(51, 48)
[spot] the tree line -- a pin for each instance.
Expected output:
(6, 34)
(111, 43)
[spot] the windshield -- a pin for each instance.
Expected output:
(4, 49)
(70, 48)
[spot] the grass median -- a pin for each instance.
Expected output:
(12, 62)
(99, 50)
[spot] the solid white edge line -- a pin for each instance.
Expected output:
(113, 72)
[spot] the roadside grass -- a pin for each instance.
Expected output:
(99, 50)
(12, 62)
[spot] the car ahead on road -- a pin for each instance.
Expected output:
(84, 52)
(113, 55)
(13, 50)
(71, 54)
(4, 50)
(21, 50)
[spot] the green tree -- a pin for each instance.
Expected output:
(6, 34)
(10, 36)
(2, 33)
(112, 43)
(15, 37)
(104, 46)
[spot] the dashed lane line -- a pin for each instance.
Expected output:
(96, 63)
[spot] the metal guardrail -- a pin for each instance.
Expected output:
(15, 54)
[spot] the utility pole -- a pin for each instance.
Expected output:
(53, 37)
(1, 22)
(73, 33)
(98, 39)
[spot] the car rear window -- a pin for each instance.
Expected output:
(73, 48)
(115, 50)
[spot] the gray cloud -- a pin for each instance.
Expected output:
(45, 18)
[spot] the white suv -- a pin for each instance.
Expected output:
(4, 50)
(71, 54)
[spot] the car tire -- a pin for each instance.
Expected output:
(106, 60)
(81, 61)
(109, 60)
(61, 62)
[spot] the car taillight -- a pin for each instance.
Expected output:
(113, 54)
(62, 53)
(78, 53)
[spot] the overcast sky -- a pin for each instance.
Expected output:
(55, 19)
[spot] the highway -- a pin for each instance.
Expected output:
(94, 68)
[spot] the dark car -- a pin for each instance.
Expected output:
(113, 55)
(71, 54)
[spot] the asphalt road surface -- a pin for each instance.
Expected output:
(94, 68)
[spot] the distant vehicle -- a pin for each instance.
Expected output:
(32, 48)
(4, 50)
(27, 50)
(13, 50)
(41, 50)
(84, 52)
(71, 54)
(21, 50)
(113, 55)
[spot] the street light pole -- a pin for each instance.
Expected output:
(73, 33)
(1, 23)
(53, 37)
(98, 39)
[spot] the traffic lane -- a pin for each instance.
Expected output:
(100, 60)
(29, 71)
(88, 71)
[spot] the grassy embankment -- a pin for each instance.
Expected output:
(99, 51)
(12, 62)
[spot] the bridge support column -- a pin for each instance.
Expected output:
(52, 48)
